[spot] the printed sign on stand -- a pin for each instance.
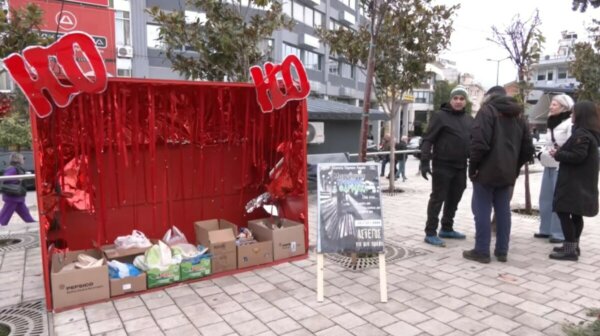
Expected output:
(349, 215)
(349, 208)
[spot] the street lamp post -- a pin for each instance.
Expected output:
(497, 66)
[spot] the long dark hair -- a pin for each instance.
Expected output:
(586, 116)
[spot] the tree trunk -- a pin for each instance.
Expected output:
(392, 156)
(522, 84)
(364, 127)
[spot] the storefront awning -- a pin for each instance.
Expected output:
(320, 109)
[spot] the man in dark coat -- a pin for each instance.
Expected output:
(500, 145)
(448, 136)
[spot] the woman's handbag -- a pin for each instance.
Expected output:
(10, 189)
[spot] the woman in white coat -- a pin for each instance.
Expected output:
(559, 130)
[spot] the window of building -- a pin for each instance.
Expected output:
(562, 74)
(311, 60)
(349, 3)
(192, 17)
(346, 70)
(423, 97)
(291, 50)
(123, 67)
(152, 36)
(5, 82)
(550, 75)
(361, 74)
(298, 12)
(334, 66)
(122, 28)
(309, 16)
(318, 20)
(541, 77)
(287, 8)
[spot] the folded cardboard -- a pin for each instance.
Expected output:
(288, 240)
(256, 253)
(129, 284)
(157, 278)
(72, 287)
(219, 236)
(193, 269)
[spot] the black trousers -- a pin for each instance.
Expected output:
(447, 187)
(572, 226)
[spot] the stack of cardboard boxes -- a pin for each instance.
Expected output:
(274, 240)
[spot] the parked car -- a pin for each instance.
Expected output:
(29, 166)
(415, 143)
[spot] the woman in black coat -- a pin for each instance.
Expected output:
(576, 193)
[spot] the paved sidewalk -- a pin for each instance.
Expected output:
(435, 293)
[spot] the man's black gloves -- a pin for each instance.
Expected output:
(425, 169)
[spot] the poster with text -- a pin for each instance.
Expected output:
(349, 208)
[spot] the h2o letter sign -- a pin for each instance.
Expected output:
(31, 71)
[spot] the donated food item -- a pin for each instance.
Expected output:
(119, 270)
(174, 236)
(136, 239)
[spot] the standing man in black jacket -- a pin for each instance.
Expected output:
(500, 145)
(448, 135)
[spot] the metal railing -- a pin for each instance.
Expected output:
(406, 151)
(17, 177)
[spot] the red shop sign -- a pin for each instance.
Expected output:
(96, 21)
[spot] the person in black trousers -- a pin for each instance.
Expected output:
(446, 143)
(576, 193)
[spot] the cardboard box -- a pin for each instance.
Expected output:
(157, 278)
(129, 284)
(288, 241)
(219, 236)
(193, 269)
(257, 253)
(76, 286)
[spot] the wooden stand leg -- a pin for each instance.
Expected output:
(320, 266)
(382, 278)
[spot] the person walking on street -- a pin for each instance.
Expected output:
(13, 192)
(446, 144)
(401, 158)
(385, 146)
(500, 145)
(576, 193)
(559, 130)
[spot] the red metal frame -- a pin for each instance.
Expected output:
(209, 153)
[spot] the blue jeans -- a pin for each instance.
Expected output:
(549, 222)
(484, 197)
(401, 169)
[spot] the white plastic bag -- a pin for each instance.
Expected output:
(136, 239)
(174, 236)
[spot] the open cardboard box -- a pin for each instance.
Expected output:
(77, 286)
(219, 236)
(256, 253)
(129, 284)
(288, 240)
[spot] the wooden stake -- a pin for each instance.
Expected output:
(320, 267)
(382, 278)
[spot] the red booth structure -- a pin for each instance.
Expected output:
(149, 154)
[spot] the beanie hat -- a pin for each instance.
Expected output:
(459, 91)
(565, 101)
(496, 90)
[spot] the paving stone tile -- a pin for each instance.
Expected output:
(237, 317)
(179, 291)
(139, 324)
(162, 312)
(284, 325)
(133, 313)
(450, 302)
(533, 321)
(217, 329)
(330, 310)
(526, 331)
(147, 331)
(183, 330)
(349, 320)
(468, 325)
(478, 300)
(402, 328)
(412, 316)
(534, 308)
(105, 325)
(95, 315)
(421, 305)
(128, 303)
(249, 328)
(205, 319)
(367, 329)
(79, 326)
(501, 323)
(443, 314)
(508, 299)
(434, 327)
(564, 306)
(380, 319)
(335, 330)
(316, 323)
(69, 316)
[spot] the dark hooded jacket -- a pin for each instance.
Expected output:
(577, 183)
(500, 143)
(448, 133)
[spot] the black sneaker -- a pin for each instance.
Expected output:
(563, 256)
(501, 257)
(556, 241)
(541, 235)
(562, 249)
(477, 256)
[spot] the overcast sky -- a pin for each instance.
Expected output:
(472, 25)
